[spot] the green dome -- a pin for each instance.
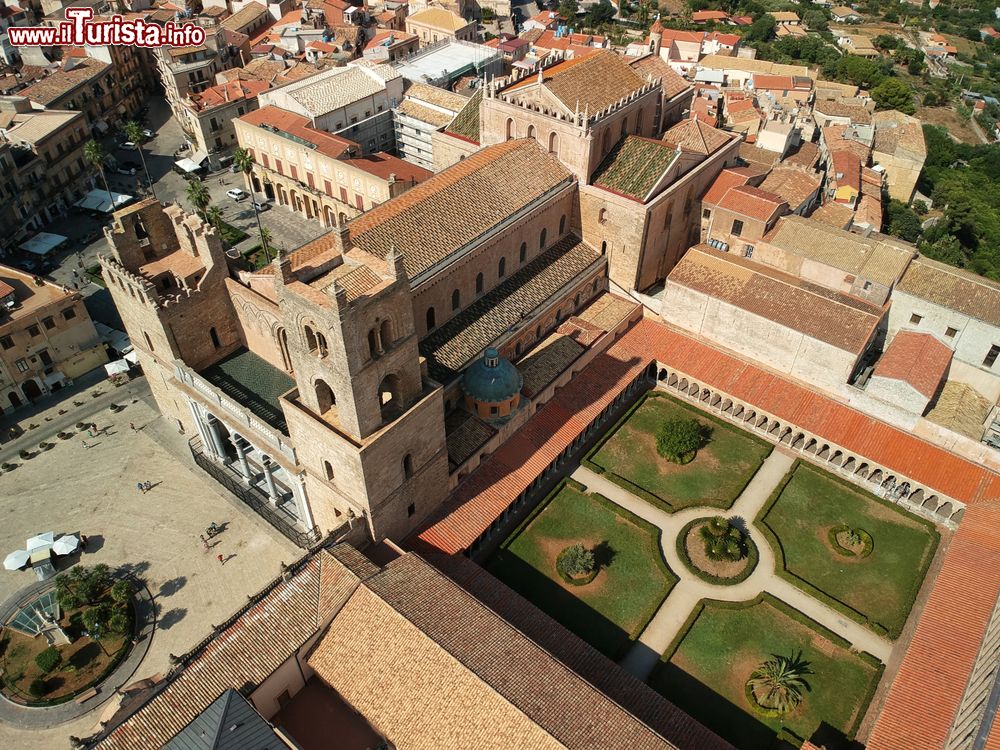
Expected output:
(492, 379)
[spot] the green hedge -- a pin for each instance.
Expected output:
(753, 557)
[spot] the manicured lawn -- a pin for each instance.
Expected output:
(613, 609)
(880, 587)
(707, 672)
(715, 477)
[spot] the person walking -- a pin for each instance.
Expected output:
(221, 559)
(142, 488)
(204, 542)
(131, 426)
(85, 443)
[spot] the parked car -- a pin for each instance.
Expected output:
(129, 146)
(147, 133)
(265, 206)
(237, 194)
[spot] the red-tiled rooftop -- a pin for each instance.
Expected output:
(484, 496)
(284, 121)
(916, 358)
(752, 202)
(728, 178)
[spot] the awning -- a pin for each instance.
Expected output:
(97, 200)
(199, 156)
(116, 367)
(43, 243)
(187, 165)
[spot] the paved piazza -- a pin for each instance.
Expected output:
(93, 491)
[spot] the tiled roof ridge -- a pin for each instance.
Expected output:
(411, 558)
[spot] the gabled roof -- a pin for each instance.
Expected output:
(834, 318)
(635, 167)
(594, 82)
(727, 178)
(951, 287)
(466, 122)
(846, 169)
(752, 202)
(442, 18)
(654, 65)
(918, 359)
(443, 214)
(697, 137)
(793, 184)
(228, 723)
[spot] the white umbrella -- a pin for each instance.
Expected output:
(16, 559)
(41, 541)
(65, 544)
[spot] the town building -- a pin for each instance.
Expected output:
(390, 45)
(742, 215)
(843, 14)
(211, 115)
(899, 149)
(191, 70)
(857, 44)
(450, 60)
(46, 338)
(433, 25)
(424, 111)
(10, 15)
(324, 177)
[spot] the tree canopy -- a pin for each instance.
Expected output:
(893, 93)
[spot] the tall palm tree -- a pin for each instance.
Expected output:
(779, 683)
(199, 196)
(133, 132)
(265, 242)
(94, 155)
(244, 161)
(213, 215)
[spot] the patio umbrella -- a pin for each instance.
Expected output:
(65, 544)
(16, 559)
(41, 541)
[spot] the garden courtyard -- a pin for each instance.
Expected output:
(831, 574)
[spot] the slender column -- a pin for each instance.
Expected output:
(241, 454)
(213, 434)
(272, 490)
(301, 500)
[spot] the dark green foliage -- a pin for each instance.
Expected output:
(576, 561)
(600, 13)
(38, 688)
(82, 585)
(892, 93)
(48, 659)
(568, 10)
(723, 540)
(902, 221)
(678, 438)
(760, 30)
(121, 591)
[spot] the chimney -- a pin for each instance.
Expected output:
(395, 261)
(342, 238)
(283, 268)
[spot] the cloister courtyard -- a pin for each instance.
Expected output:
(820, 571)
(154, 535)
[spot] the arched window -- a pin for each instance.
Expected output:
(372, 344)
(541, 239)
(510, 128)
(321, 348)
(325, 400)
(523, 252)
(576, 300)
(553, 143)
(286, 357)
(502, 268)
(149, 341)
(562, 224)
(456, 300)
(479, 283)
(638, 122)
(328, 469)
(624, 127)
(594, 287)
(385, 334)
(517, 349)
(389, 400)
(407, 466)
(602, 216)
(531, 131)
(430, 318)
(310, 339)
(604, 247)
(606, 142)
(214, 335)
(538, 332)
(558, 316)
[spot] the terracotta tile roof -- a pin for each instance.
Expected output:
(696, 136)
(855, 111)
(782, 83)
(960, 408)
(441, 18)
(727, 178)
(465, 434)
(246, 16)
(488, 492)
(709, 15)
(437, 96)
(432, 667)
(835, 318)
(846, 169)
(435, 219)
(951, 287)
(918, 359)
(669, 36)
(635, 167)
(726, 40)
(752, 202)
(451, 346)
(594, 82)
(547, 361)
(793, 184)
(413, 108)
(282, 121)
(805, 155)
(760, 158)
(654, 65)
(899, 134)
(249, 649)
(878, 258)
(224, 93)
(926, 694)
(833, 214)
(747, 65)
(58, 84)
(466, 123)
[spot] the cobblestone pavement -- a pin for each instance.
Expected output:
(93, 490)
(676, 608)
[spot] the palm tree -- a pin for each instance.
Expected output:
(265, 242)
(94, 155)
(199, 196)
(244, 161)
(779, 683)
(213, 215)
(133, 132)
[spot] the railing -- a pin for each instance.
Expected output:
(239, 414)
(248, 495)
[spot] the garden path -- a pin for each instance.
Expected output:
(676, 608)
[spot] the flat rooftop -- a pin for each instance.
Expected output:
(29, 296)
(252, 382)
(447, 60)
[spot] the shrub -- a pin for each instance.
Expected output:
(679, 438)
(577, 561)
(779, 683)
(48, 659)
(38, 688)
(80, 425)
(121, 591)
(25, 454)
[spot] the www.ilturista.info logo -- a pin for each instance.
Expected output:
(78, 30)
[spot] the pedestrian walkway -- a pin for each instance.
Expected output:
(676, 608)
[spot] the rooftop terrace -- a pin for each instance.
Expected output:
(253, 382)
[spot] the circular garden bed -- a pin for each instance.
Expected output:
(572, 571)
(693, 549)
(850, 542)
